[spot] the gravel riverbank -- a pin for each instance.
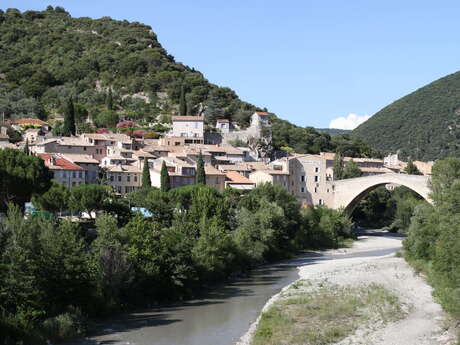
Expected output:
(424, 322)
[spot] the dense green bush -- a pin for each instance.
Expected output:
(434, 235)
(54, 272)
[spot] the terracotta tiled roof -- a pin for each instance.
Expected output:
(262, 113)
(26, 121)
(235, 177)
(58, 163)
(223, 121)
(187, 118)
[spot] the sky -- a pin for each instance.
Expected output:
(315, 63)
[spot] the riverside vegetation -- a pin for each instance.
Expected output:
(433, 242)
(55, 273)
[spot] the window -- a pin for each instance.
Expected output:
(111, 178)
(316, 178)
(128, 178)
(320, 202)
(74, 174)
(84, 148)
(80, 175)
(119, 178)
(135, 178)
(302, 178)
(316, 189)
(302, 190)
(317, 169)
(64, 174)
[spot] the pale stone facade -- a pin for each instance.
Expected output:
(124, 178)
(191, 128)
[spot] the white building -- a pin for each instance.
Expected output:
(191, 128)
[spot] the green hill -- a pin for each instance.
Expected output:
(114, 70)
(424, 125)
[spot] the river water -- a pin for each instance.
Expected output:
(219, 317)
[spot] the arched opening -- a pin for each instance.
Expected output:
(381, 207)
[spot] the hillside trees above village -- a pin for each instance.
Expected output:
(116, 69)
(48, 56)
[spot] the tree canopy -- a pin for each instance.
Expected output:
(21, 176)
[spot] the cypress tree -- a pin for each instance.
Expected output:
(200, 173)
(26, 147)
(109, 100)
(164, 178)
(338, 166)
(69, 119)
(183, 102)
(146, 182)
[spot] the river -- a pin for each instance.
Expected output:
(220, 317)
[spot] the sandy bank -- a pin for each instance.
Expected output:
(425, 322)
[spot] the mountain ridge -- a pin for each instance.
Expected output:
(423, 125)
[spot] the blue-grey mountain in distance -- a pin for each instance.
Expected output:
(333, 131)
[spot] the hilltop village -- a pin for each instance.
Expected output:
(232, 158)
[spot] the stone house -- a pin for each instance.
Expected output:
(64, 171)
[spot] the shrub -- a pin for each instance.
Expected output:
(66, 326)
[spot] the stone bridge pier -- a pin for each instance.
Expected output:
(347, 193)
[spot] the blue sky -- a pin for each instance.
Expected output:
(308, 61)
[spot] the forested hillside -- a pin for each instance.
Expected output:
(116, 70)
(424, 125)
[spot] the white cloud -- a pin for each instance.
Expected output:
(350, 122)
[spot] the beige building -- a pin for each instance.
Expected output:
(215, 178)
(63, 170)
(73, 145)
(275, 177)
(124, 178)
(101, 142)
(237, 181)
(308, 179)
(88, 163)
(181, 173)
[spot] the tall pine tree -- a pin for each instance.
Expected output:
(109, 100)
(146, 182)
(164, 178)
(183, 102)
(200, 173)
(69, 119)
(26, 147)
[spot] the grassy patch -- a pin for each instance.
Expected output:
(345, 242)
(325, 316)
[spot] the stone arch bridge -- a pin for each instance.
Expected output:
(347, 193)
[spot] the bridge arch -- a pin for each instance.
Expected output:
(348, 192)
